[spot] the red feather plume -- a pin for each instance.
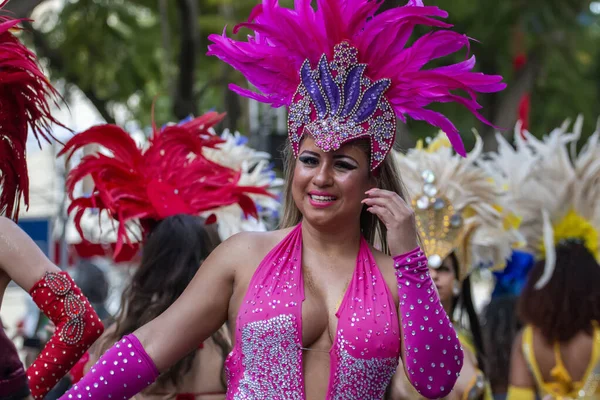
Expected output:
(170, 177)
(24, 105)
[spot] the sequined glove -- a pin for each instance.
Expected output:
(122, 372)
(433, 355)
(77, 328)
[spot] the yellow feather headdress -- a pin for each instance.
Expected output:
(554, 190)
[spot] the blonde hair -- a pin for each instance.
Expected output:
(373, 230)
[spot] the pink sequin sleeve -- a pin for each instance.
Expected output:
(122, 372)
(432, 353)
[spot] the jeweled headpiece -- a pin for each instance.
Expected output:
(337, 103)
(25, 96)
(344, 72)
(458, 207)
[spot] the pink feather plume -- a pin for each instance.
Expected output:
(283, 38)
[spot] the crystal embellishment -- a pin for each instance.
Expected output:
(335, 103)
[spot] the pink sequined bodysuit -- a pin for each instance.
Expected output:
(266, 362)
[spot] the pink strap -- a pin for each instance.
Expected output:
(433, 355)
(122, 372)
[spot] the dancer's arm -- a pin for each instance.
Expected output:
(521, 384)
(136, 360)
(57, 296)
(432, 353)
(20, 258)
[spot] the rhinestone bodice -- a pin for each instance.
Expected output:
(266, 362)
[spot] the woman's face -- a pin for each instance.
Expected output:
(328, 187)
(443, 278)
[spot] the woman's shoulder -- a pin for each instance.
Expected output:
(5, 222)
(385, 263)
(253, 241)
(383, 260)
(246, 248)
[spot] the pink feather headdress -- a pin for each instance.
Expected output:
(345, 73)
(25, 94)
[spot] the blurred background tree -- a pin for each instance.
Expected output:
(126, 54)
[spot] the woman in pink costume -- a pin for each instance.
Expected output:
(314, 310)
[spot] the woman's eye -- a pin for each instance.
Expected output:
(308, 160)
(345, 165)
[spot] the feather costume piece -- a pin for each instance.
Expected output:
(256, 170)
(25, 98)
(346, 72)
(555, 192)
(457, 207)
(172, 176)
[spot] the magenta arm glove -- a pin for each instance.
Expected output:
(122, 372)
(433, 354)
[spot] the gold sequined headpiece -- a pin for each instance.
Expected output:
(458, 207)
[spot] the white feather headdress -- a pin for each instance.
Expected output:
(458, 206)
(554, 191)
(256, 170)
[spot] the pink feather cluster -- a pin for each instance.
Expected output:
(283, 38)
(170, 177)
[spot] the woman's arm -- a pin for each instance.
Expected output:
(521, 385)
(136, 360)
(20, 257)
(57, 296)
(401, 389)
(201, 309)
(431, 351)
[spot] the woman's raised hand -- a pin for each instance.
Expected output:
(398, 218)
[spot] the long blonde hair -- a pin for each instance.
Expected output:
(373, 230)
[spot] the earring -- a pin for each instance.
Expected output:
(456, 288)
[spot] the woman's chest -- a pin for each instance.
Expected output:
(320, 304)
(291, 311)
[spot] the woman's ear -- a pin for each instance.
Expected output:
(373, 180)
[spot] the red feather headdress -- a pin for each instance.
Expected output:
(24, 94)
(144, 186)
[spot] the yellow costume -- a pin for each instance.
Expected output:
(562, 386)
